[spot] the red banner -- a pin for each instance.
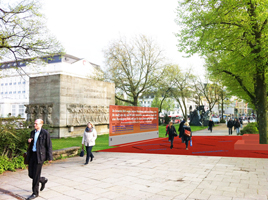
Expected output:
(130, 119)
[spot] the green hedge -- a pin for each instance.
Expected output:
(251, 128)
(222, 121)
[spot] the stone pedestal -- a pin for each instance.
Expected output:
(68, 103)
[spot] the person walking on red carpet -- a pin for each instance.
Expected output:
(187, 135)
(181, 130)
(171, 131)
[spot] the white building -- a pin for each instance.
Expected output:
(146, 101)
(14, 91)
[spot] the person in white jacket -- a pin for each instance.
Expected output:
(89, 137)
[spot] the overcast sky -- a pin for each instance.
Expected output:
(85, 27)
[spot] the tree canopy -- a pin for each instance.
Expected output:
(24, 34)
(134, 66)
(232, 34)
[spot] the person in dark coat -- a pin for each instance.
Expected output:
(180, 130)
(237, 126)
(171, 131)
(210, 124)
(230, 125)
(186, 138)
(41, 150)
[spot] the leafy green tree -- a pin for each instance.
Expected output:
(182, 86)
(233, 35)
(210, 91)
(23, 32)
(134, 66)
(162, 103)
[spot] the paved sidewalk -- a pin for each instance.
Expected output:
(146, 176)
(220, 129)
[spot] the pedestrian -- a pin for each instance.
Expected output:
(167, 131)
(210, 124)
(180, 130)
(241, 122)
(171, 131)
(237, 126)
(187, 138)
(230, 125)
(89, 137)
(40, 151)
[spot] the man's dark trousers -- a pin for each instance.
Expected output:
(230, 131)
(35, 172)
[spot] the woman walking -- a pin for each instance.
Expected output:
(171, 131)
(89, 137)
(187, 134)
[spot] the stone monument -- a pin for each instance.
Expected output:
(199, 117)
(67, 103)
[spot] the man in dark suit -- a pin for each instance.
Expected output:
(41, 150)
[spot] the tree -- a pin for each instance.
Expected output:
(182, 83)
(210, 91)
(23, 32)
(163, 103)
(235, 34)
(135, 66)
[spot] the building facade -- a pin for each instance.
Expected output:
(14, 82)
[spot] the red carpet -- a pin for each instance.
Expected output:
(202, 146)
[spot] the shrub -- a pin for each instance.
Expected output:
(13, 140)
(167, 119)
(222, 121)
(7, 164)
(251, 128)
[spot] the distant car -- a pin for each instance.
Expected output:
(216, 119)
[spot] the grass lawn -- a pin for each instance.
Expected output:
(102, 141)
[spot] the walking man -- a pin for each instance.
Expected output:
(210, 125)
(230, 125)
(41, 150)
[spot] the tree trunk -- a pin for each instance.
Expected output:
(135, 101)
(222, 108)
(261, 104)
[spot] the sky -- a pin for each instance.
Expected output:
(86, 27)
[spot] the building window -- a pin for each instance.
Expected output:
(10, 83)
(2, 92)
(19, 83)
(13, 110)
(14, 92)
(24, 82)
(10, 92)
(14, 83)
(23, 92)
(2, 84)
(19, 92)
(21, 110)
(5, 92)
(5, 83)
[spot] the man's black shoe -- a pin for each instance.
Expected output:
(43, 185)
(33, 196)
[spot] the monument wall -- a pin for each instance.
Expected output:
(68, 103)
